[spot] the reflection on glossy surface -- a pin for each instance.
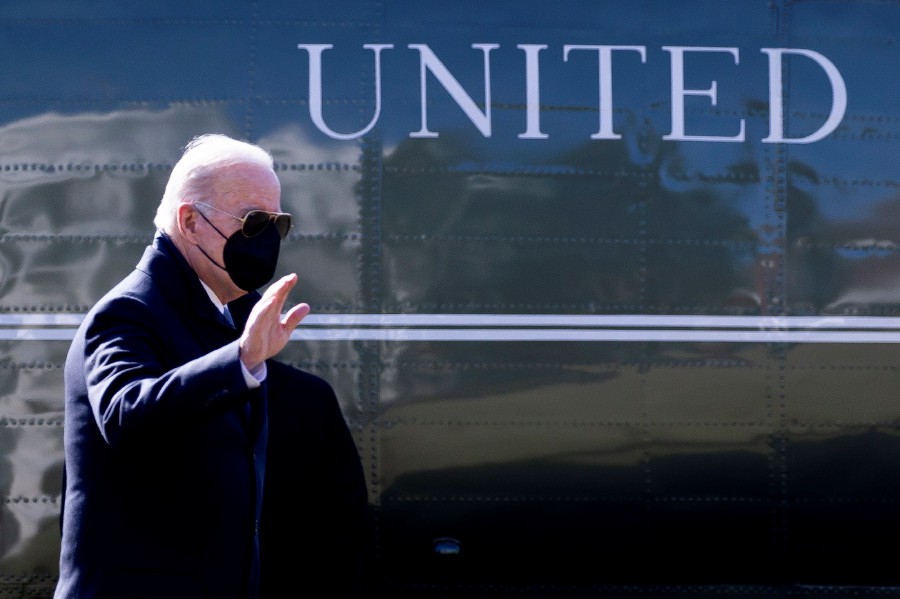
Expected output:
(504, 466)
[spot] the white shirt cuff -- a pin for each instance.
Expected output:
(256, 377)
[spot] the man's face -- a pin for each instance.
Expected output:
(237, 190)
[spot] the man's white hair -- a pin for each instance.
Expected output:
(191, 178)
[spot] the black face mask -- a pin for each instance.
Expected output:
(249, 261)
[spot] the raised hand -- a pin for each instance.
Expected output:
(267, 331)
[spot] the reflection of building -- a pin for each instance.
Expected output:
(78, 197)
(869, 257)
(57, 147)
(79, 193)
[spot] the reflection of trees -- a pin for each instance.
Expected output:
(812, 267)
(590, 230)
(586, 231)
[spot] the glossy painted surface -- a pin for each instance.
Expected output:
(614, 459)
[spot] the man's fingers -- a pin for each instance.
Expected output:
(295, 315)
(282, 286)
(276, 294)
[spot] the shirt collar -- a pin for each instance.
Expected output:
(215, 299)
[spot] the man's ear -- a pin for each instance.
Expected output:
(187, 222)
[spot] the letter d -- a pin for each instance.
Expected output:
(776, 95)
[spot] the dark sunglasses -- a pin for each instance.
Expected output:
(256, 221)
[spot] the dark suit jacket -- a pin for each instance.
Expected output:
(165, 468)
(316, 531)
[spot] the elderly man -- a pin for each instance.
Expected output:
(169, 387)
